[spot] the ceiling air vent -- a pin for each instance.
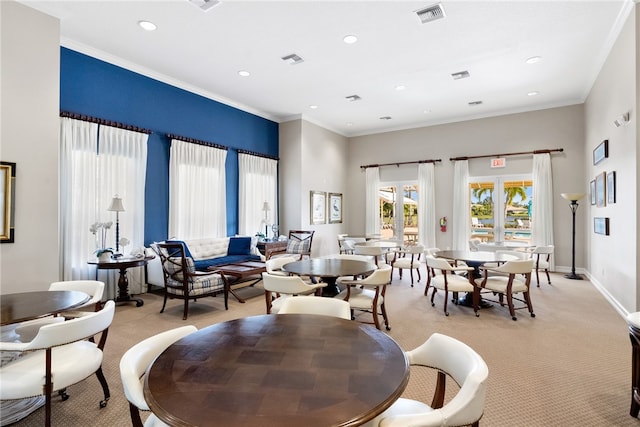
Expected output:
(385, 118)
(474, 103)
(205, 5)
(460, 75)
(292, 59)
(431, 13)
(352, 98)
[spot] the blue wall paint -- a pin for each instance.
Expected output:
(96, 88)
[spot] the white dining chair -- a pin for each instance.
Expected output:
(316, 305)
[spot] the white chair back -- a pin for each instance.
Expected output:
(522, 266)
(286, 284)
(275, 264)
(316, 305)
(381, 276)
(94, 288)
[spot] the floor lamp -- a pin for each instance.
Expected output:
(573, 198)
(266, 208)
(117, 207)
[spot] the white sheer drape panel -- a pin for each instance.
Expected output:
(78, 208)
(197, 191)
(257, 183)
(461, 210)
(426, 205)
(122, 165)
(372, 200)
(542, 209)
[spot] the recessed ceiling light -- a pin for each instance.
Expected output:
(350, 39)
(533, 59)
(313, 107)
(401, 87)
(534, 93)
(244, 73)
(349, 124)
(146, 25)
(427, 111)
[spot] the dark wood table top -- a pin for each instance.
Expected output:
(277, 370)
(23, 306)
(479, 257)
(329, 267)
(121, 263)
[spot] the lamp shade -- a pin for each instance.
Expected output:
(266, 207)
(116, 205)
(572, 196)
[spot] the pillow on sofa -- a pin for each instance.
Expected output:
(239, 246)
(187, 253)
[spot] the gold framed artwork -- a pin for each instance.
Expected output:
(318, 207)
(592, 191)
(335, 208)
(7, 200)
(601, 191)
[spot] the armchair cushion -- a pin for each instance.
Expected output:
(298, 246)
(239, 246)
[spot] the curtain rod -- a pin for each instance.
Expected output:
(197, 141)
(253, 153)
(104, 122)
(521, 153)
(401, 163)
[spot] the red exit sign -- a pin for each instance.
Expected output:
(499, 162)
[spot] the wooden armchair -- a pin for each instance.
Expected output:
(182, 281)
(298, 245)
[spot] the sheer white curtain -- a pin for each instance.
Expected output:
(542, 209)
(96, 163)
(257, 183)
(426, 205)
(461, 213)
(372, 200)
(197, 191)
(78, 201)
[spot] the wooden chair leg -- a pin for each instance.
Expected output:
(105, 387)
(446, 298)
(438, 395)
(548, 277)
(186, 308)
(411, 273)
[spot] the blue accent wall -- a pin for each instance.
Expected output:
(96, 88)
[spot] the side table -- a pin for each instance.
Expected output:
(123, 264)
(268, 248)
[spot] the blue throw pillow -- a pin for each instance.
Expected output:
(239, 246)
(187, 253)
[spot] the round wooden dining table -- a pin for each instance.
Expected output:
(23, 306)
(329, 269)
(277, 370)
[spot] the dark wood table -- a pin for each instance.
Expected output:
(23, 306)
(123, 264)
(329, 269)
(277, 370)
(241, 271)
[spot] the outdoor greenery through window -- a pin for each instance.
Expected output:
(399, 212)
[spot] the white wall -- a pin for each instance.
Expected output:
(545, 129)
(30, 82)
(613, 260)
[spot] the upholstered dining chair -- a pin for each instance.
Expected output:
(305, 304)
(368, 294)
(278, 288)
(133, 367)
(299, 243)
(513, 277)
(60, 355)
(274, 265)
(542, 257)
(375, 252)
(448, 281)
(182, 281)
(464, 365)
(409, 259)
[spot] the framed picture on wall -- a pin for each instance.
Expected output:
(7, 201)
(601, 192)
(601, 226)
(318, 207)
(601, 152)
(592, 188)
(335, 208)
(611, 187)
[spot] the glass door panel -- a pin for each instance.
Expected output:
(399, 212)
(482, 210)
(518, 201)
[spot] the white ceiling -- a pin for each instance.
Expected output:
(203, 52)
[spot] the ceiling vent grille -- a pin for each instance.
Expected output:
(292, 59)
(205, 5)
(474, 103)
(353, 98)
(431, 13)
(460, 75)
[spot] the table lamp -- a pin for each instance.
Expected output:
(573, 198)
(117, 207)
(266, 208)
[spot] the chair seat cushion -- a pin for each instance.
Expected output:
(499, 284)
(406, 263)
(455, 283)
(71, 363)
(402, 406)
(204, 264)
(199, 286)
(360, 298)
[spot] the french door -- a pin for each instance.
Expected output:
(399, 212)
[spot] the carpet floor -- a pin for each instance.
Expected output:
(568, 366)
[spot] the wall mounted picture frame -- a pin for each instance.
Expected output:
(601, 226)
(592, 191)
(318, 208)
(601, 152)
(7, 201)
(601, 191)
(611, 187)
(335, 208)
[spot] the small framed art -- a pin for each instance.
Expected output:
(601, 152)
(318, 207)
(611, 187)
(335, 208)
(7, 201)
(601, 192)
(592, 188)
(601, 226)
